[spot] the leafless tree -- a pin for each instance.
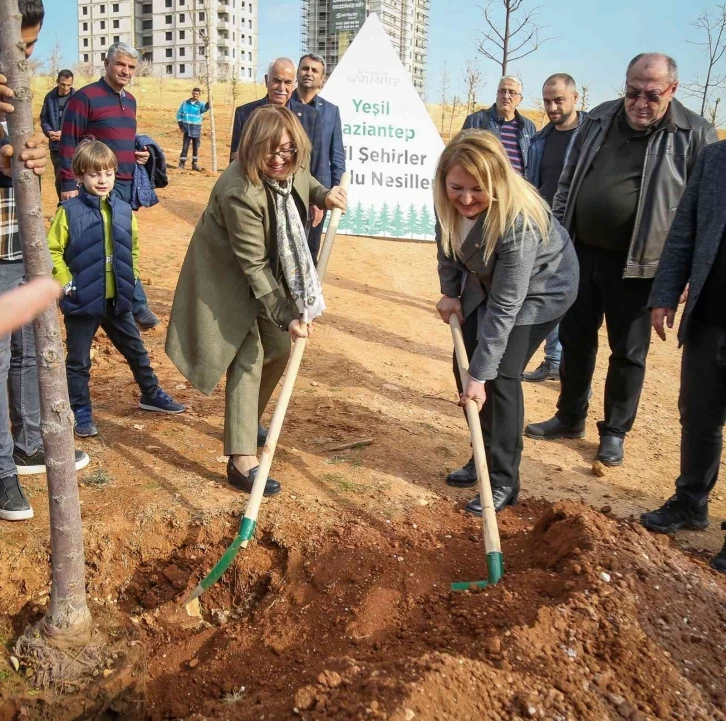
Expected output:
(456, 106)
(584, 96)
(538, 105)
(472, 83)
(55, 61)
(512, 32)
(234, 89)
(712, 34)
(59, 648)
(444, 97)
(205, 36)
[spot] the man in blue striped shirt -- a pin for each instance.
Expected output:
(503, 119)
(189, 119)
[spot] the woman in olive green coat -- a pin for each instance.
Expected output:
(248, 283)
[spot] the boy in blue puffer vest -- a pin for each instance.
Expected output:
(93, 242)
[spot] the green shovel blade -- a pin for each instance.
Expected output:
(495, 564)
(246, 531)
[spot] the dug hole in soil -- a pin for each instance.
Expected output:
(340, 608)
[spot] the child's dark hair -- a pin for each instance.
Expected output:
(92, 155)
(32, 11)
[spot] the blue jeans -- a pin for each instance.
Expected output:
(123, 333)
(19, 394)
(552, 348)
(122, 190)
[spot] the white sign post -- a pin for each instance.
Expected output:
(391, 143)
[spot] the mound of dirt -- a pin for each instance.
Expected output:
(595, 619)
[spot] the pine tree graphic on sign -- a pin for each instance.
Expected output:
(370, 220)
(343, 224)
(425, 222)
(398, 225)
(412, 220)
(383, 221)
(357, 220)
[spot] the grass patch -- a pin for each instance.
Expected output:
(336, 460)
(235, 697)
(97, 477)
(341, 482)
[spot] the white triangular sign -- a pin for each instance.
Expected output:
(391, 144)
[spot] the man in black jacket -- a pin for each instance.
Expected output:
(695, 254)
(624, 176)
(50, 118)
(280, 81)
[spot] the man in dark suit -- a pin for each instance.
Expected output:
(310, 79)
(694, 259)
(280, 82)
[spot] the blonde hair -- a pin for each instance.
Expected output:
(262, 134)
(511, 197)
(91, 155)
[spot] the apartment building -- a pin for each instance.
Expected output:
(405, 21)
(171, 35)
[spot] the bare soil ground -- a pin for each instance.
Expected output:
(340, 609)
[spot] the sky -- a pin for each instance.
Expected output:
(593, 40)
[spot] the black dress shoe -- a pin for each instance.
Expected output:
(261, 435)
(554, 428)
(610, 451)
(465, 477)
(244, 483)
(502, 498)
(544, 372)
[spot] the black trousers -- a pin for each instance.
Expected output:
(702, 406)
(123, 333)
(185, 148)
(55, 159)
(623, 303)
(314, 238)
(502, 417)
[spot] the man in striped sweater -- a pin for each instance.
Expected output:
(503, 119)
(107, 111)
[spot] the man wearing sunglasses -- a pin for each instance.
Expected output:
(619, 189)
(514, 130)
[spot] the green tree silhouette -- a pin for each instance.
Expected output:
(425, 222)
(357, 220)
(383, 221)
(398, 225)
(343, 224)
(412, 220)
(370, 220)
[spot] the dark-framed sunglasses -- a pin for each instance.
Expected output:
(651, 96)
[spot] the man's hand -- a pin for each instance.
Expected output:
(474, 391)
(446, 306)
(142, 156)
(35, 157)
(684, 295)
(316, 215)
(21, 305)
(68, 194)
(54, 135)
(298, 329)
(336, 198)
(660, 315)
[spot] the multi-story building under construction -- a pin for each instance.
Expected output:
(405, 21)
(174, 37)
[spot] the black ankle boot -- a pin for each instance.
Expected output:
(502, 498)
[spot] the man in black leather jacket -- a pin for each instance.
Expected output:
(617, 195)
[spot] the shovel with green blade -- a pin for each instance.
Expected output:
(249, 520)
(492, 544)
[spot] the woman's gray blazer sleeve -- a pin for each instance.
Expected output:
(516, 255)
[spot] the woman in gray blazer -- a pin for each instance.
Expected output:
(509, 272)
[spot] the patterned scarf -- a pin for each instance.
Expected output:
(294, 255)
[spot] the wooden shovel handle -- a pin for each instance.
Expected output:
(492, 544)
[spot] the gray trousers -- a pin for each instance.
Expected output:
(19, 394)
(251, 379)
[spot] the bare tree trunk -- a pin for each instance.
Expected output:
(68, 621)
(206, 37)
(212, 124)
